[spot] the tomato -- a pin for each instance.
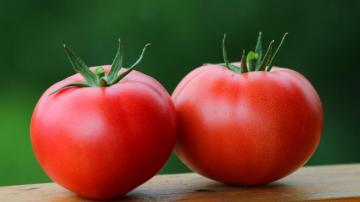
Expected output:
(248, 128)
(103, 141)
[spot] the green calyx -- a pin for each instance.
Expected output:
(255, 60)
(98, 77)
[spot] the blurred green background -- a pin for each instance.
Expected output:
(323, 44)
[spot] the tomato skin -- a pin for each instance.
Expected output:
(102, 142)
(246, 129)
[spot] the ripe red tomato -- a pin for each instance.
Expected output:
(102, 142)
(246, 128)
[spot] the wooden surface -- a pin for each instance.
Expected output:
(322, 183)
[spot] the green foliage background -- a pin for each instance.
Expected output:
(323, 44)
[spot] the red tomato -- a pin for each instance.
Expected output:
(102, 142)
(246, 128)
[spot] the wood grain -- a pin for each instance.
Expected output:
(321, 183)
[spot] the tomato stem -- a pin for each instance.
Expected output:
(126, 72)
(75, 84)
(254, 60)
(276, 51)
(99, 72)
(80, 67)
(226, 61)
(259, 50)
(116, 64)
(98, 77)
(243, 64)
(251, 59)
(267, 56)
